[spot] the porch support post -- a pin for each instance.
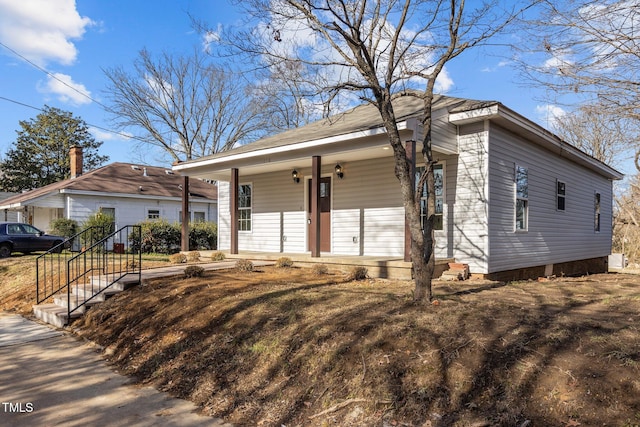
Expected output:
(410, 148)
(234, 210)
(314, 234)
(184, 232)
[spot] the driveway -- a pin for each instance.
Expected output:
(50, 378)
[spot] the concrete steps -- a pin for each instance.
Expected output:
(56, 313)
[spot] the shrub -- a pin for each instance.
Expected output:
(319, 269)
(158, 236)
(358, 273)
(64, 227)
(218, 256)
(193, 256)
(178, 258)
(244, 265)
(193, 271)
(203, 236)
(284, 262)
(103, 224)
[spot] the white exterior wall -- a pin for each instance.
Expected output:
(130, 210)
(553, 236)
(367, 217)
(467, 182)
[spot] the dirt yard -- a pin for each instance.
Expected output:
(286, 347)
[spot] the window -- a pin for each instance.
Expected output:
(596, 226)
(244, 207)
(560, 195)
(438, 176)
(153, 214)
(522, 198)
(198, 216)
(112, 213)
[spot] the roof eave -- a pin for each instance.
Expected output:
(544, 137)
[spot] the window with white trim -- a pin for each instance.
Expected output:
(438, 177)
(522, 198)
(198, 216)
(596, 208)
(560, 195)
(153, 213)
(106, 211)
(244, 207)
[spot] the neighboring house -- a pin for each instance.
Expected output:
(129, 192)
(5, 214)
(511, 197)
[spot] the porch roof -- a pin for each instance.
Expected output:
(355, 134)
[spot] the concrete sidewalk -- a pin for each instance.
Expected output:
(49, 378)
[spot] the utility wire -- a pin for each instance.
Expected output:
(53, 76)
(124, 135)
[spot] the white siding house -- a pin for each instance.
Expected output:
(131, 193)
(514, 198)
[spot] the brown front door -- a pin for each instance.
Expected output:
(325, 214)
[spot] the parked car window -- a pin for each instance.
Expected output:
(14, 229)
(28, 229)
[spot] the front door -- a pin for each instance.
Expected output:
(325, 214)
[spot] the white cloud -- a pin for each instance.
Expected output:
(444, 82)
(103, 135)
(65, 89)
(42, 30)
(549, 114)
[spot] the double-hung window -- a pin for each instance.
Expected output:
(244, 207)
(438, 177)
(153, 213)
(522, 198)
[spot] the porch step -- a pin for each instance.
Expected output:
(122, 284)
(57, 313)
(54, 314)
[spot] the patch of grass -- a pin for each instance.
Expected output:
(319, 269)
(193, 256)
(178, 258)
(284, 262)
(193, 271)
(358, 273)
(244, 265)
(218, 256)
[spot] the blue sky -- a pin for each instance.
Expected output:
(77, 40)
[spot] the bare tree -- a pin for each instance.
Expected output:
(607, 137)
(590, 50)
(183, 104)
(373, 51)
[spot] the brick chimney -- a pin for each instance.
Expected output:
(75, 154)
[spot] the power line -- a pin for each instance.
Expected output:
(89, 124)
(54, 76)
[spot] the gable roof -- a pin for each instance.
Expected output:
(365, 120)
(117, 179)
(361, 118)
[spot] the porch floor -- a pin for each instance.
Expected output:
(377, 266)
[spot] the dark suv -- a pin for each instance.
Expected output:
(25, 238)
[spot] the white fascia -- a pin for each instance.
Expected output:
(296, 146)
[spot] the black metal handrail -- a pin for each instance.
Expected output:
(51, 274)
(100, 266)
